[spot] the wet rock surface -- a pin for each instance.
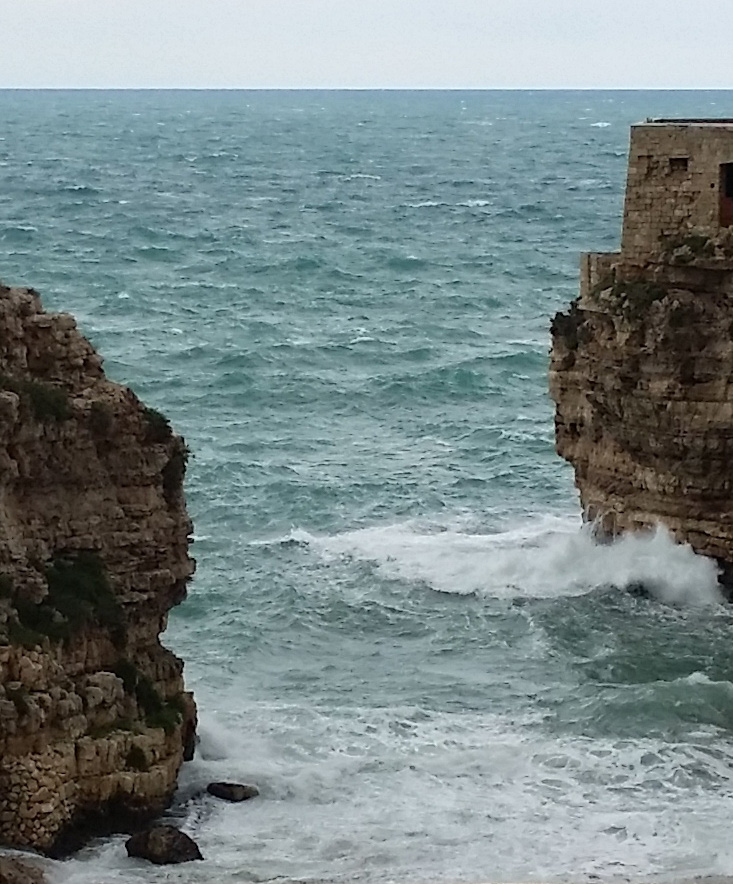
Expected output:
(232, 791)
(163, 845)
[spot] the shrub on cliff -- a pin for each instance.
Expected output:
(47, 403)
(78, 593)
(157, 426)
(158, 712)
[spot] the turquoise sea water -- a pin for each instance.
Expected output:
(397, 628)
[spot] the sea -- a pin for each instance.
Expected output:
(399, 628)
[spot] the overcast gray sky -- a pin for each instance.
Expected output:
(490, 44)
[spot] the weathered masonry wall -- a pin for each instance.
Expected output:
(674, 185)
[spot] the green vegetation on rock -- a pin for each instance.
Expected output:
(158, 712)
(685, 248)
(47, 402)
(79, 594)
(157, 426)
(637, 296)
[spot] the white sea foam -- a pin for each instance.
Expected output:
(370, 794)
(546, 557)
(418, 793)
(425, 204)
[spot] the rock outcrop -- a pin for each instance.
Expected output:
(164, 846)
(232, 791)
(641, 365)
(94, 718)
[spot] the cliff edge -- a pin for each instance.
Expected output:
(94, 534)
(641, 366)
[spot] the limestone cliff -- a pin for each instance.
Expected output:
(641, 365)
(94, 718)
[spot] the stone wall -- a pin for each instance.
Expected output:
(665, 202)
(597, 269)
(94, 534)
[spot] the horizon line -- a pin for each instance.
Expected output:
(365, 89)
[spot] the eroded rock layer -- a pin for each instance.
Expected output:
(641, 373)
(94, 718)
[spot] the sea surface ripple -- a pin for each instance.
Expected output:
(398, 627)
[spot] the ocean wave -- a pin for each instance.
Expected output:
(19, 233)
(545, 558)
(426, 204)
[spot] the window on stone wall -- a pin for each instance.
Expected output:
(726, 194)
(678, 164)
(726, 179)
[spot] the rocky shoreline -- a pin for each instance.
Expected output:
(95, 721)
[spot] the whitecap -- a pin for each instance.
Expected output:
(426, 204)
(546, 557)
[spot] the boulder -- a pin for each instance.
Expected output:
(163, 845)
(232, 791)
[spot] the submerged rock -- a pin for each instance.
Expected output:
(163, 845)
(232, 791)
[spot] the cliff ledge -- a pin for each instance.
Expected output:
(94, 718)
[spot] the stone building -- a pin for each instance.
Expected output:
(678, 208)
(680, 182)
(641, 367)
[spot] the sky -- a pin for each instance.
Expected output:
(377, 44)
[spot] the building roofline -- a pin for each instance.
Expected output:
(691, 121)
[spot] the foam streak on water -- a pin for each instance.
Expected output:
(398, 627)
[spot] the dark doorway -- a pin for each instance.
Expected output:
(726, 194)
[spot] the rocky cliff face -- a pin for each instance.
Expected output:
(642, 375)
(94, 718)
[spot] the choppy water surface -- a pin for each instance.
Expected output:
(398, 628)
